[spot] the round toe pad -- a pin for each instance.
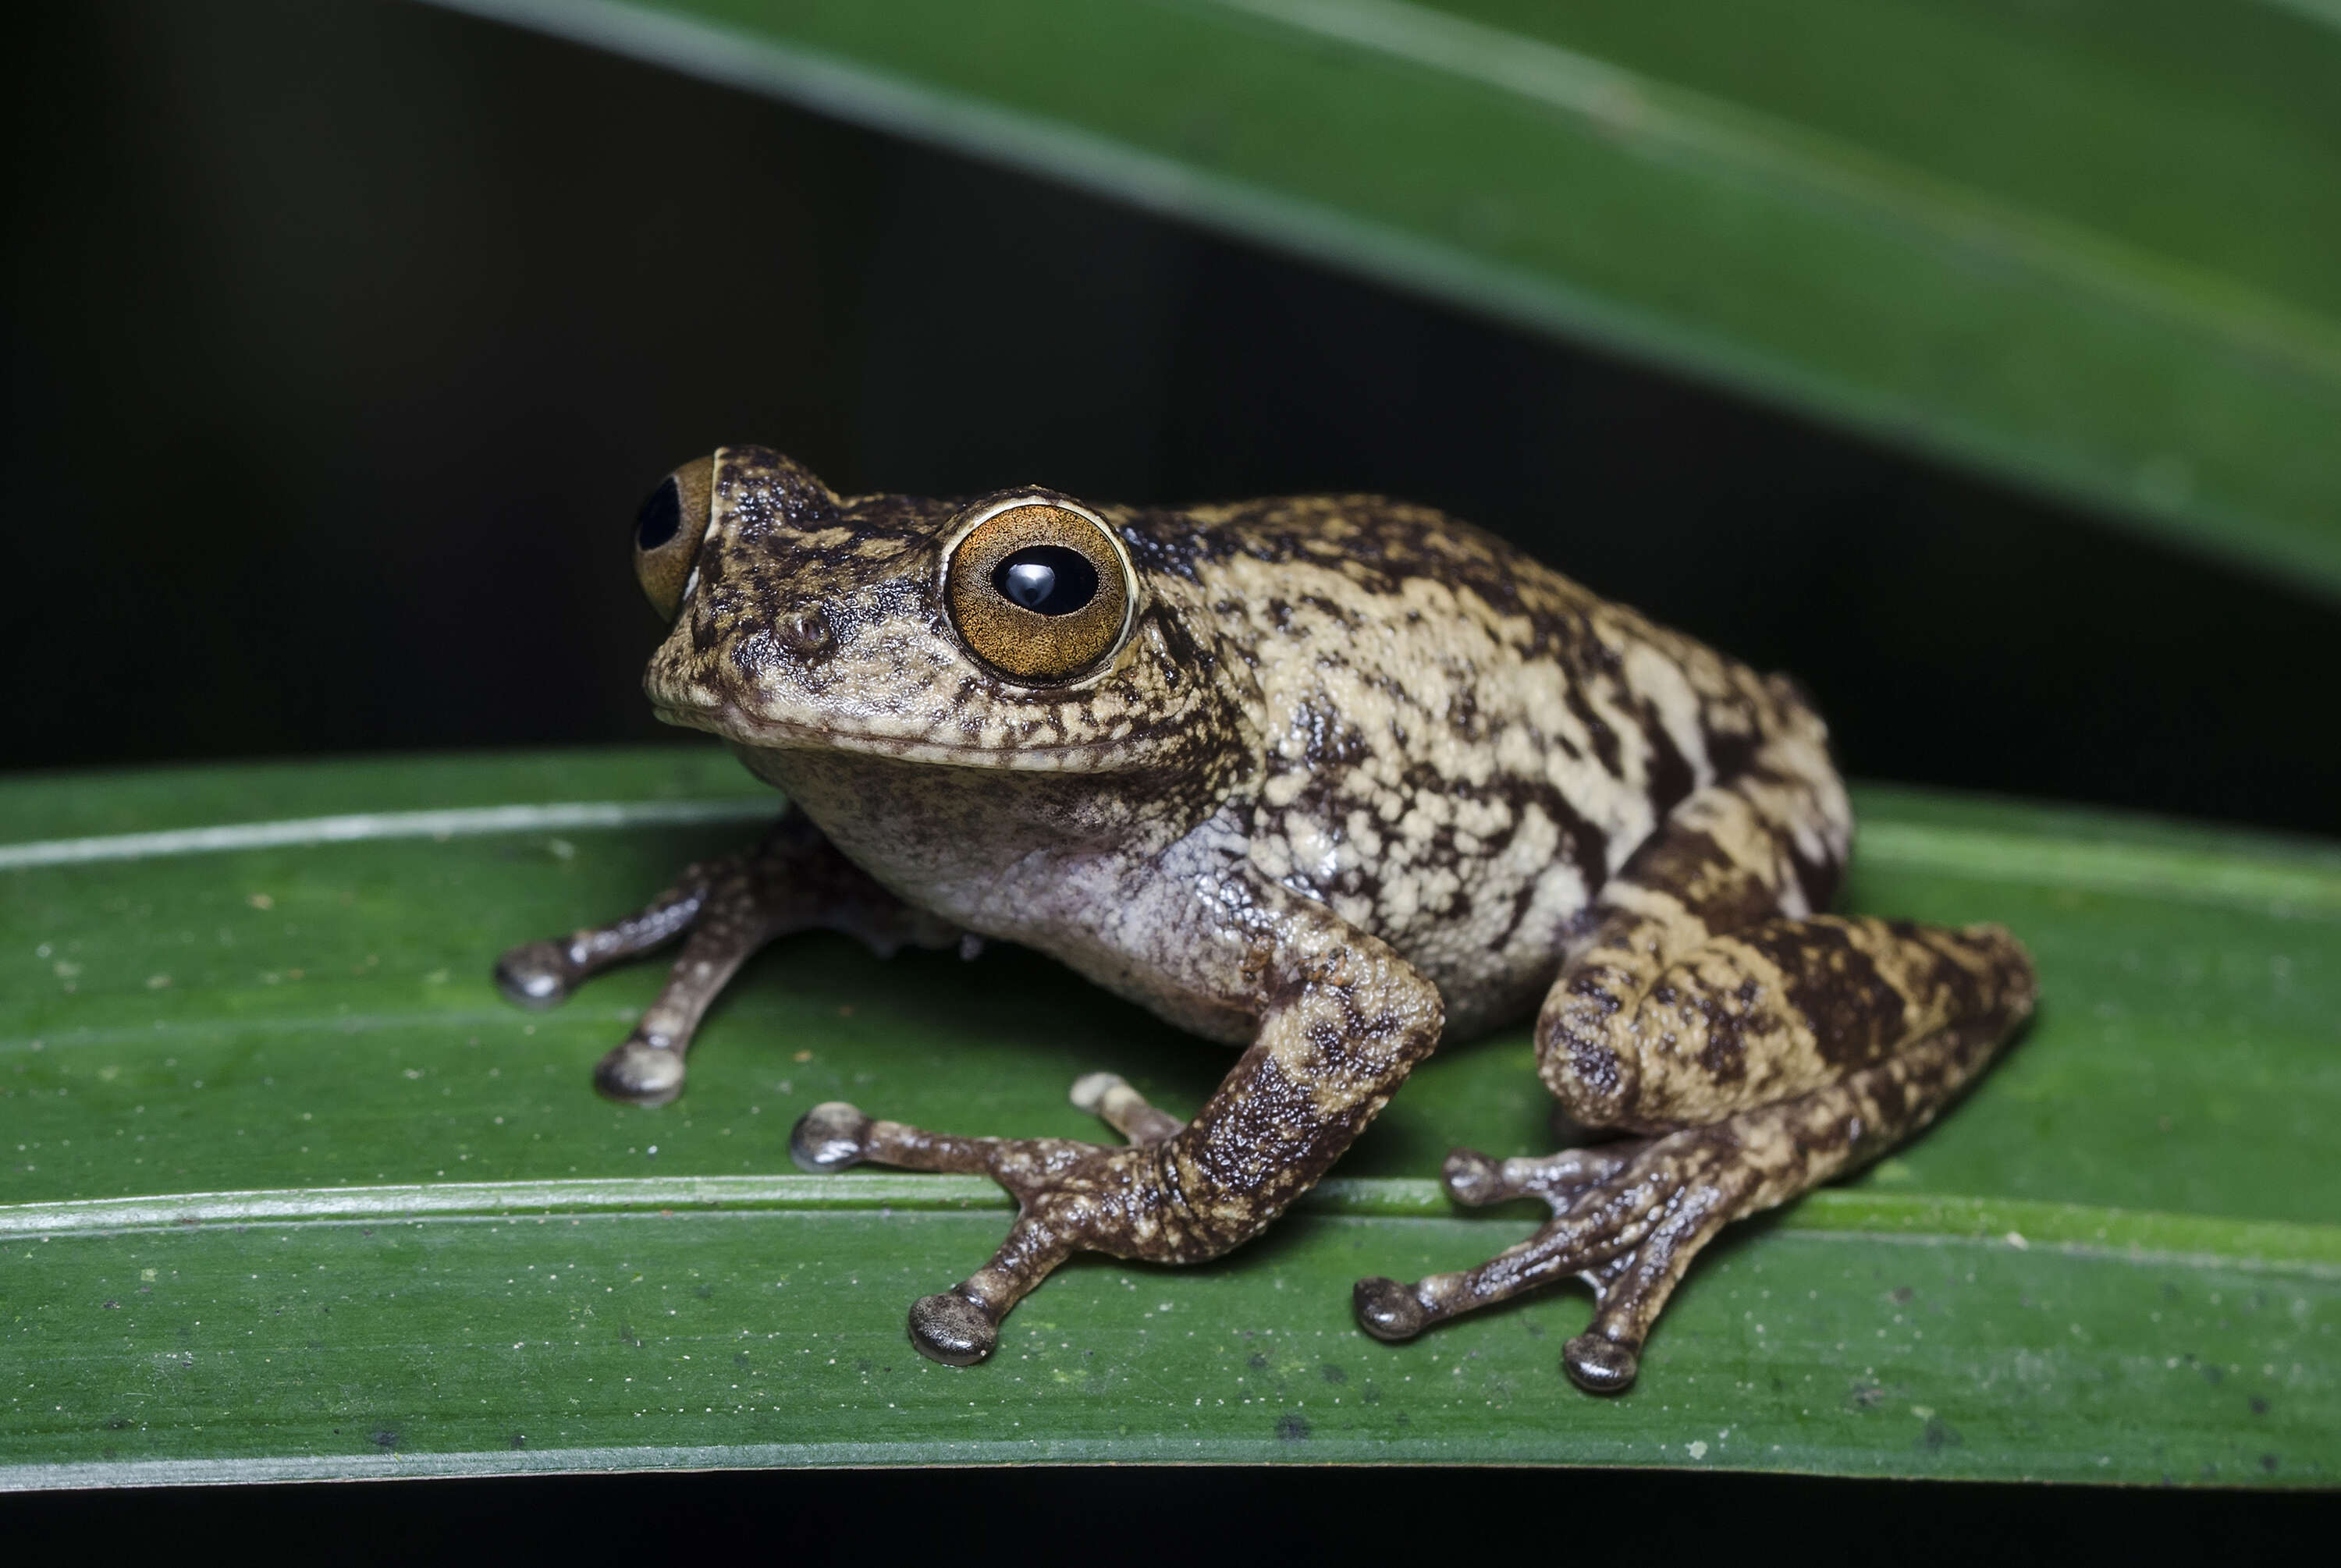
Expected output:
(829, 1137)
(1387, 1309)
(1600, 1366)
(639, 1074)
(952, 1329)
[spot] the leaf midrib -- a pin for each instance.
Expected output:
(2251, 876)
(2277, 1247)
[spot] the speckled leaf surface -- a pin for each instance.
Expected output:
(286, 1191)
(2087, 245)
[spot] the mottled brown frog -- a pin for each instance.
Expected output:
(1331, 779)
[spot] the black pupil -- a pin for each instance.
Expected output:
(1046, 578)
(660, 515)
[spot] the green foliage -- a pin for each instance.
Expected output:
(290, 1193)
(2087, 246)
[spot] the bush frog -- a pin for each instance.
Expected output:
(1329, 779)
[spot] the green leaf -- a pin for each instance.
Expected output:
(2086, 247)
(290, 1193)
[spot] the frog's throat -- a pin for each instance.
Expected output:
(762, 734)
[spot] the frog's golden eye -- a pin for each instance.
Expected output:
(1039, 590)
(668, 531)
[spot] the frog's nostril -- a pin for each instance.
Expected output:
(805, 632)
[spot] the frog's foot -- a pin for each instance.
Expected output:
(1071, 1195)
(730, 908)
(792, 880)
(1627, 1218)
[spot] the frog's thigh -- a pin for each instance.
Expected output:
(1761, 1014)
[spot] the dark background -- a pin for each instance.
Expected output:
(1287, 1516)
(341, 342)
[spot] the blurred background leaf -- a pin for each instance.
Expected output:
(343, 339)
(2087, 246)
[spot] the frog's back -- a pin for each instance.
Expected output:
(1460, 744)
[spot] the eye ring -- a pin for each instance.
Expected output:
(1038, 588)
(668, 531)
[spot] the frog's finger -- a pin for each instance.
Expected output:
(961, 1327)
(1109, 1098)
(833, 1136)
(733, 921)
(541, 974)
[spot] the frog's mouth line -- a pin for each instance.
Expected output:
(733, 724)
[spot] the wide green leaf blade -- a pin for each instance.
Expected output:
(2086, 247)
(289, 1193)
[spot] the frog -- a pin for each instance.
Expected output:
(1328, 780)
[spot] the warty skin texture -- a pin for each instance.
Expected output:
(1355, 777)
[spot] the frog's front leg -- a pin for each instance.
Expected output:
(1766, 1048)
(1340, 1020)
(792, 880)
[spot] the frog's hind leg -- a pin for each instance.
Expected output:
(1768, 1049)
(1629, 1217)
(725, 910)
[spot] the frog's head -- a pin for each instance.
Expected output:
(1013, 631)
